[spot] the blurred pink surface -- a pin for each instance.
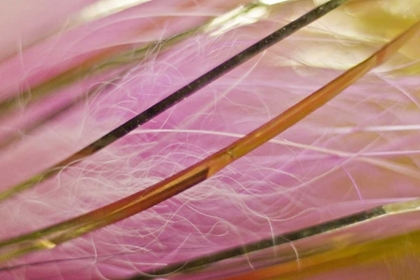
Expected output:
(346, 157)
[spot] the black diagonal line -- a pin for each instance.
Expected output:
(179, 95)
(214, 74)
(203, 262)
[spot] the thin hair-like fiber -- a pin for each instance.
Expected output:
(210, 140)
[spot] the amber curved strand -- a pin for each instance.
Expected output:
(177, 96)
(49, 237)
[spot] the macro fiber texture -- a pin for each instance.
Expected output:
(360, 150)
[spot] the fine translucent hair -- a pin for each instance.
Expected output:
(209, 139)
